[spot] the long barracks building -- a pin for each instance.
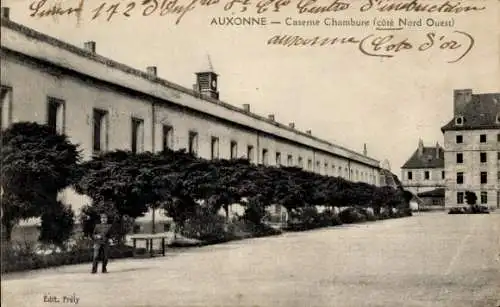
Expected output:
(104, 105)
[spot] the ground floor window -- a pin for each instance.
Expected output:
(484, 197)
(460, 198)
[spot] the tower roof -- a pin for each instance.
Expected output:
(207, 65)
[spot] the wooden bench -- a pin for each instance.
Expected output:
(149, 239)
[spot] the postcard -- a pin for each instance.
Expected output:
(329, 153)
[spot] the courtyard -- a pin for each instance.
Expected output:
(430, 259)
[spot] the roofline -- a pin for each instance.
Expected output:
(133, 71)
(430, 167)
(487, 127)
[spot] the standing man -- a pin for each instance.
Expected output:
(101, 238)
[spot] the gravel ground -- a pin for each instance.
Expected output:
(432, 259)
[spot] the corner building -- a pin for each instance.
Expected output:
(472, 149)
(103, 105)
(424, 170)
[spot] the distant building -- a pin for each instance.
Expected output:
(424, 170)
(472, 149)
(433, 198)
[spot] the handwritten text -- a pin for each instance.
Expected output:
(387, 45)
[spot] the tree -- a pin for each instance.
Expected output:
(57, 224)
(471, 198)
(120, 184)
(37, 163)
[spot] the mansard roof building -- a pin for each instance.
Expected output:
(472, 148)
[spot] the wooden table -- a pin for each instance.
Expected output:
(149, 239)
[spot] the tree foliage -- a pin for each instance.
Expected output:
(57, 224)
(470, 197)
(125, 184)
(37, 163)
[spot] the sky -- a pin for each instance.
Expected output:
(339, 93)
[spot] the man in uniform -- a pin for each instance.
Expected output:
(101, 238)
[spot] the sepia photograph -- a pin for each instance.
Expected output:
(250, 153)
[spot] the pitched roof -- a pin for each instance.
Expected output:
(389, 179)
(428, 158)
(480, 113)
(439, 192)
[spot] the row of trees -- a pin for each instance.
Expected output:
(37, 164)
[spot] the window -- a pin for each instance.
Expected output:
(459, 139)
(498, 155)
(167, 137)
(326, 168)
(482, 138)
(318, 166)
(5, 107)
(137, 144)
(484, 177)
(339, 171)
(498, 137)
(214, 147)
(278, 158)
(300, 162)
(460, 178)
(460, 158)
(460, 198)
(193, 143)
(55, 114)
(289, 160)
(442, 175)
(100, 131)
(234, 150)
(498, 176)
(250, 155)
(482, 156)
(484, 197)
(264, 157)
(459, 120)
(309, 164)
(427, 175)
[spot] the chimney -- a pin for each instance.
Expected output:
(6, 12)
(89, 46)
(152, 70)
(460, 99)
(246, 107)
(365, 152)
(309, 132)
(291, 125)
(420, 147)
(271, 117)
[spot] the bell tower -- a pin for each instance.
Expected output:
(206, 81)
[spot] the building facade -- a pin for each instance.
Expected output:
(424, 170)
(472, 149)
(103, 105)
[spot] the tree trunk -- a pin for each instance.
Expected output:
(153, 226)
(7, 231)
(226, 209)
